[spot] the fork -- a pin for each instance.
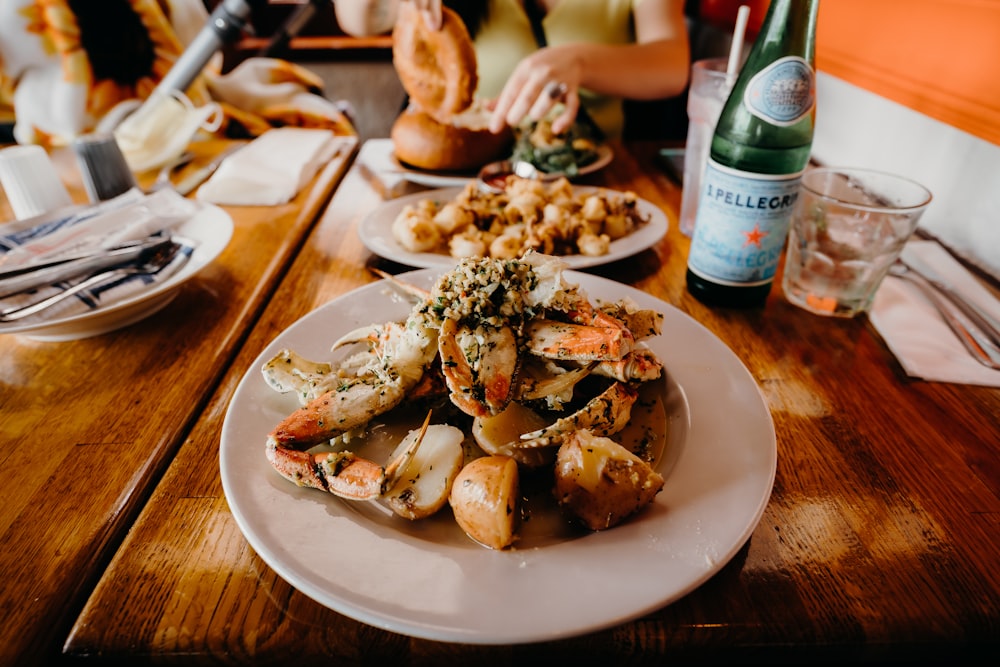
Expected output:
(151, 265)
(977, 341)
(167, 170)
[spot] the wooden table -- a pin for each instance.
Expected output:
(881, 539)
(89, 426)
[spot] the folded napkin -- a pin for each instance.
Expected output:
(80, 230)
(377, 160)
(272, 168)
(914, 330)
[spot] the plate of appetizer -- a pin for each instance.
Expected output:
(586, 226)
(350, 523)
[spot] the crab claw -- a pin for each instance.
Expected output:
(479, 366)
(341, 473)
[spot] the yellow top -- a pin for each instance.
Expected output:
(506, 37)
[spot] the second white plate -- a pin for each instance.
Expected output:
(375, 231)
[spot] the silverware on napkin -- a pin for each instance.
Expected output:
(24, 278)
(985, 321)
(150, 263)
(975, 328)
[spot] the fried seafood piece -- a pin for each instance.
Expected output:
(415, 229)
(601, 483)
(528, 215)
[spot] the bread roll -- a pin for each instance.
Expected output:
(462, 144)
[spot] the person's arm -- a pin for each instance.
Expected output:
(657, 66)
(362, 18)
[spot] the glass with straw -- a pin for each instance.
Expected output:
(711, 81)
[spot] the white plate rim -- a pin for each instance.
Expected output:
(713, 499)
(444, 180)
(211, 228)
(375, 231)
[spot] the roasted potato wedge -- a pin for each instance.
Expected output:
(484, 499)
(423, 484)
(601, 483)
(497, 434)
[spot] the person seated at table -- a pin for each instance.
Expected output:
(588, 54)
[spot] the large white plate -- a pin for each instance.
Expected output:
(210, 229)
(445, 179)
(375, 231)
(427, 579)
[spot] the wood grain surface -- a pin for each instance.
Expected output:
(881, 540)
(89, 426)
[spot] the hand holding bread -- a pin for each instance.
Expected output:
(443, 128)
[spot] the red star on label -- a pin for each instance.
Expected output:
(754, 236)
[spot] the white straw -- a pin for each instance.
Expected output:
(736, 50)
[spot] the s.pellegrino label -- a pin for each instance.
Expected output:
(742, 224)
(782, 93)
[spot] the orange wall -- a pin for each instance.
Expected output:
(938, 57)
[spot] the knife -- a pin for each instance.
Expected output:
(188, 184)
(22, 279)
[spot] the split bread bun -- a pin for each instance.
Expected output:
(436, 67)
(443, 129)
(464, 143)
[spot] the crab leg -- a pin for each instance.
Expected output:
(393, 366)
(605, 414)
(582, 342)
(352, 404)
(343, 474)
(640, 364)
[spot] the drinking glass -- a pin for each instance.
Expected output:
(707, 94)
(847, 228)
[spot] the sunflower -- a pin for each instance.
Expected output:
(113, 50)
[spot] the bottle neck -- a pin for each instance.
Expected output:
(789, 27)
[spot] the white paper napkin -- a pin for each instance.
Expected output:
(914, 330)
(376, 158)
(272, 168)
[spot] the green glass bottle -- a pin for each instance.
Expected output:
(760, 148)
